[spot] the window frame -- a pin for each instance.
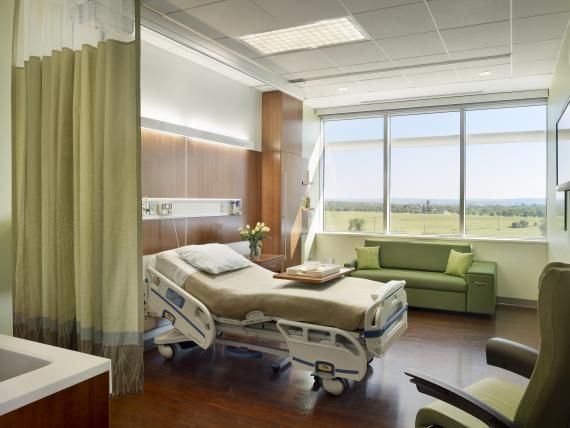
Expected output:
(387, 160)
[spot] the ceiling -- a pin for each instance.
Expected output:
(416, 48)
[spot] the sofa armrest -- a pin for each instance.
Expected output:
(351, 264)
(459, 399)
(483, 268)
(511, 356)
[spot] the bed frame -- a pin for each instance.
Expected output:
(331, 355)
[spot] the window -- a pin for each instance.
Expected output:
(425, 185)
(485, 178)
(506, 172)
(353, 173)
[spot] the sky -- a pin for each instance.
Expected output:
(493, 171)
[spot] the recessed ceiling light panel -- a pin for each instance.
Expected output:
(485, 73)
(323, 33)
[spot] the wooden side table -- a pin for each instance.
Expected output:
(272, 262)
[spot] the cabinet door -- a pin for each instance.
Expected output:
(292, 169)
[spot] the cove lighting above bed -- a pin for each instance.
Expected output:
(195, 134)
(309, 36)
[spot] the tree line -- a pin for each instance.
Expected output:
(428, 207)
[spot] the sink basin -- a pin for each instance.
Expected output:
(14, 364)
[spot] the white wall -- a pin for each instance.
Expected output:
(519, 264)
(6, 274)
(559, 94)
(176, 90)
(312, 152)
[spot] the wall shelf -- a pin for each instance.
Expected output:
(190, 208)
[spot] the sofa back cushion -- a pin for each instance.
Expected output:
(416, 255)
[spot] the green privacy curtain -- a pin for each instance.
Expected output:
(76, 151)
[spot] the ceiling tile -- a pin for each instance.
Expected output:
(396, 21)
(428, 69)
(167, 6)
(235, 17)
(238, 47)
(313, 73)
(459, 13)
(482, 52)
(524, 8)
(301, 61)
(369, 66)
(542, 27)
(469, 74)
(297, 12)
(534, 51)
(420, 60)
(385, 84)
(338, 81)
(354, 53)
(477, 36)
(356, 6)
(184, 18)
(414, 45)
(347, 87)
(533, 68)
(435, 78)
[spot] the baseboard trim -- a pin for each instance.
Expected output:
(525, 303)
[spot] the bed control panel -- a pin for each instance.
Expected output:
(175, 298)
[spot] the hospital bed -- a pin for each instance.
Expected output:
(333, 330)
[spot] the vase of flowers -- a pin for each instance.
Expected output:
(255, 237)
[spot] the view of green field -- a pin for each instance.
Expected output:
(436, 224)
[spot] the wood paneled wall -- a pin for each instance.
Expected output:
(174, 166)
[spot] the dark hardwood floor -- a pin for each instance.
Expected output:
(209, 389)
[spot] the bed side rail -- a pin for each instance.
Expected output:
(319, 348)
(187, 314)
(386, 319)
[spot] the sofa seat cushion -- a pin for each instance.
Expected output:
(416, 279)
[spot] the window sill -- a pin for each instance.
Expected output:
(540, 241)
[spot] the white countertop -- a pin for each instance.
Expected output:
(66, 368)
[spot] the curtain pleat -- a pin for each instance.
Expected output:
(76, 205)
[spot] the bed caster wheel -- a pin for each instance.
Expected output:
(335, 386)
(167, 351)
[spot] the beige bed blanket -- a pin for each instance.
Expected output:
(339, 303)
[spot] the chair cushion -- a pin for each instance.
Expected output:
(416, 279)
(368, 257)
(499, 394)
(415, 255)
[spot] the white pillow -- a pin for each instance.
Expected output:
(213, 258)
(170, 264)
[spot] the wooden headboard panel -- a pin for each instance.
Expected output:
(178, 167)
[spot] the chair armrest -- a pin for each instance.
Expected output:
(351, 264)
(511, 356)
(483, 268)
(459, 399)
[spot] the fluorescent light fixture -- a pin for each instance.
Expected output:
(342, 89)
(323, 33)
(485, 73)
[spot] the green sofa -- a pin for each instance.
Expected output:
(422, 263)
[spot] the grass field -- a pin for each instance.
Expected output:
(436, 224)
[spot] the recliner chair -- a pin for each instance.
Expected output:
(495, 403)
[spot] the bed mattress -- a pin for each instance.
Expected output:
(340, 303)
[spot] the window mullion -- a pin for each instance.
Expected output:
(462, 164)
(386, 175)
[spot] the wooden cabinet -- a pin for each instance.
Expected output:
(272, 262)
(282, 170)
